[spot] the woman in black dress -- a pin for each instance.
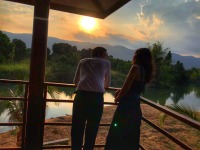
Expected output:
(124, 132)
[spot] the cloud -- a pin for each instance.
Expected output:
(172, 22)
(12, 20)
(111, 39)
(180, 29)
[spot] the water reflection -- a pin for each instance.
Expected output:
(176, 95)
(61, 109)
(189, 95)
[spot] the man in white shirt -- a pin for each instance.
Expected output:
(91, 78)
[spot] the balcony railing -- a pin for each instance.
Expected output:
(194, 124)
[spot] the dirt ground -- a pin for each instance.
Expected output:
(150, 139)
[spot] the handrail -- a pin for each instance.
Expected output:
(11, 124)
(10, 148)
(185, 119)
(12, 98)
(13, 81)
(174, 114)
(167, 134)
(182, 118)
(24, 99)
(71, 101)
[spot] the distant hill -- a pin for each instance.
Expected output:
(188, 61)
(120, 52)
(116, 51)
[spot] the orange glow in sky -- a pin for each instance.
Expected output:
(135, 24)
(88, 23)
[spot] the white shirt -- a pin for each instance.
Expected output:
(93, 74)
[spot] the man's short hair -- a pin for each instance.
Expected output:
(98, 51)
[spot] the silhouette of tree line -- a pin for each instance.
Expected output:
(63, 60)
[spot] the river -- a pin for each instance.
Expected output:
(189, 95)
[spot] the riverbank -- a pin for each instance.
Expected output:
(150, 138)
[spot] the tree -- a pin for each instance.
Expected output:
(62, 48)
(159, 56)
(168, 59)
(20, 51)
(86, 53)
(48, 53)
(6, 48)
(180, 76)
(15, 108)
(194, 74)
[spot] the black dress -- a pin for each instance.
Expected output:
(124, 132)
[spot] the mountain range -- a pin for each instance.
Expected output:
(117, 51)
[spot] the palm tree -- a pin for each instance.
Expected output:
(182, 109)
(15, 108)
(185, 110)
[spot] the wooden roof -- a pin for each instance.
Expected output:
(94, 8)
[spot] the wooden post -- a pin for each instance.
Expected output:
(36, 104)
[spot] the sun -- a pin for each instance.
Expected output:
(87, 23)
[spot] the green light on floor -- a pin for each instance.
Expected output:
(115, 125)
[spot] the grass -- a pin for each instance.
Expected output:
(15, 70)
(182, 109)
(185, 110)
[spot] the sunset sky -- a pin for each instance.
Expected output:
(174, 23)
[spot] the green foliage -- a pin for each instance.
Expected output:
(3, 105)
(168, 59)
(159, 56)
(162, 118)
(15, 71)
(6, 49)
(60, 69)
(185, 110)
(182, 109)
(179, 74)
(85, 53)
(62, 62)
(117, 79)
(20, 51)
(61, 65)
(63, 48)
(15, 108)
(194, 74)
(166, 73)
(120, 65)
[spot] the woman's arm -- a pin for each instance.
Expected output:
(133, 75)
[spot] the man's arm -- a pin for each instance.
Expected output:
(77, 75)
(108, 77)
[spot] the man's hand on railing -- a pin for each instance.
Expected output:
(117, 100)
(117, 92)
(117, 95)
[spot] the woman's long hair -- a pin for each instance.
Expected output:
(143, 58)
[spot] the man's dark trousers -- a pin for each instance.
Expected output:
(86, 116)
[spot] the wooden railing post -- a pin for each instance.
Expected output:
(36, 103)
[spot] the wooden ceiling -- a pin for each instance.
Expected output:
(94, 8)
